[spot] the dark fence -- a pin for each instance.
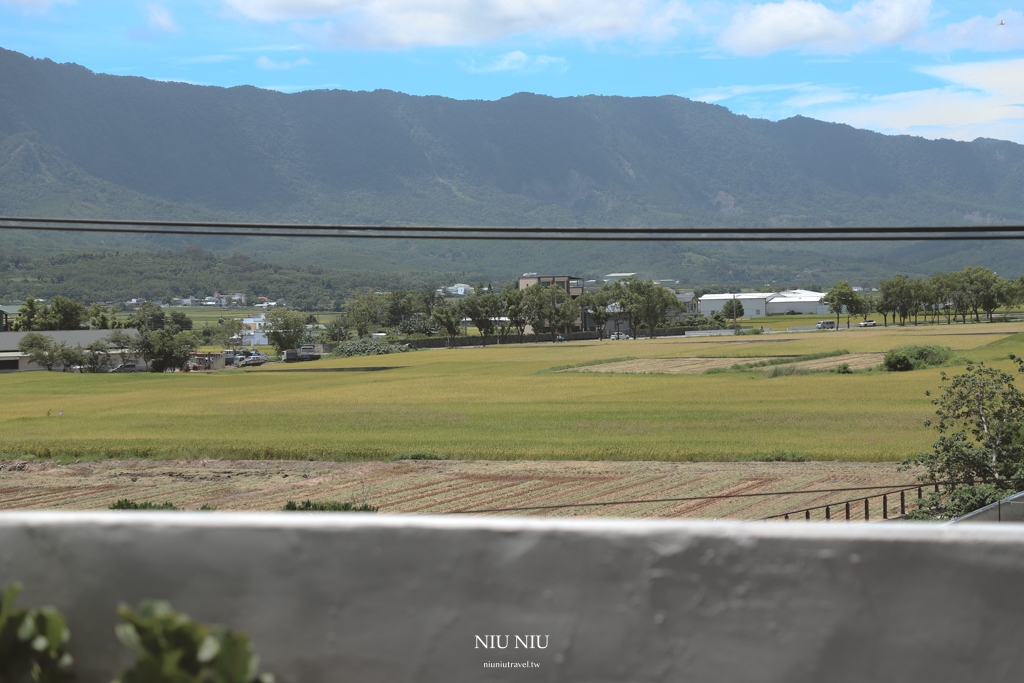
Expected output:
(847, 510)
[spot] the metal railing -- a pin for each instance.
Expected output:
(848, 509)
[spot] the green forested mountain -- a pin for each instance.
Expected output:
(75, 144)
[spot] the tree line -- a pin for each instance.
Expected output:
(954, 296)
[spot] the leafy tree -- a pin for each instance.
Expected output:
(449, 317)
(229, 329)
(483, 307)
(41, 350)
(166, 349)
(365, 311)
(980, 450)
(596, 304)
(841, 297)
(548, 307)
(64, 314)
(148, 317)
(71, 357)
(285, 329)
(97, 356)
(180, 320)
(513, 309)
(27, 319)
(336, 330)
(647, 302)
(124, 344)
(103, 318)
(733, 309)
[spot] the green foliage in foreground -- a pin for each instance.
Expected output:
(980, 450)
(329, 506)
(367, 347)
(126, 504)
(32, 642)
(169, 647)
(907, 358)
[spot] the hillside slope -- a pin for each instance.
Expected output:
(76, 143)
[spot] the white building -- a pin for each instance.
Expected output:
(798, 301)
(755, 304)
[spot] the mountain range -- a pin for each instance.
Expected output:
(74, 143)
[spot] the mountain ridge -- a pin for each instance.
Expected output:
(75, 143)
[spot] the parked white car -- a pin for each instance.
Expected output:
(866, 323)
(826, 325)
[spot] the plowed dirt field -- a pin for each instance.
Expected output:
(417, 486)
(696, 366)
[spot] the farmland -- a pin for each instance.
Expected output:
(509, 402)
(436, 487)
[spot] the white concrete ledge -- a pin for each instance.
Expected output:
(334, 597)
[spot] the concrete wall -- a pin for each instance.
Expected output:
(389, 599)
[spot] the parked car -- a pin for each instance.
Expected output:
(124, 367)
(826, 325)
(866, 323)
(250, 361)
(618, 335)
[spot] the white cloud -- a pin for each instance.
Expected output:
(984, 99)
(520, 62)
(407, 23)
(159, 18)
(207, 59)
(264, 62)
(983, 34)
(803, 94)
(813, 27)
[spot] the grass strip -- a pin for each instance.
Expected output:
(789, 359)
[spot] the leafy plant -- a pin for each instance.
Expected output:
(980, 450)
(844, 369)
(170, 647)
(126, 504)
(367, 347)
(32, 642)
(421, 455)
(917, 357)
(329, 506)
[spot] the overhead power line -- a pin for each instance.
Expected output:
(547, 233)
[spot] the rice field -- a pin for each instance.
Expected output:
(505, 402)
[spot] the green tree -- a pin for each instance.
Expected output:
(41, 350)
(148, 317)
(483, 307)
(97, 356)
(513, 309)
(733, 309)
(366, 311)
(647, 302)
(336, 330)
(72, 357)
(64, 314)
(103, 318)
(549, 307)
(596, 305)
(124, 344)
(841, 297)
(166, 349)
(285, 329)
(230, 329)
(449, 317)
(980, 450)
(180, 320)
(27, 319)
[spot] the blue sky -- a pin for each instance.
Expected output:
(936, 68)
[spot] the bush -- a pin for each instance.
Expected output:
(907, 358)
(32, 642)
(367, 347)
(171, 648)
(126, 504)
(785, 371)
(330, 506)
(420, 455)
(844, 369)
